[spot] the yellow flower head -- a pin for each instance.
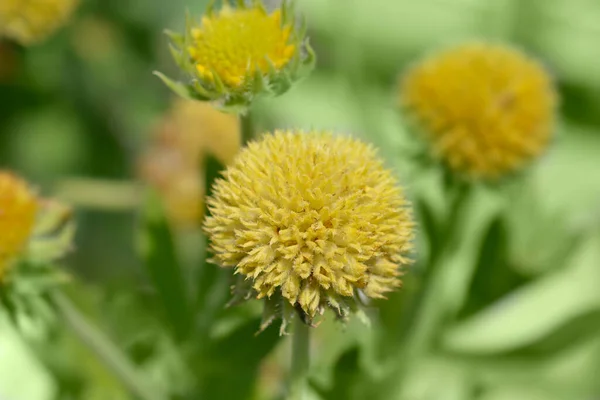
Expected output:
(486, 109)
(172, 163)
(233, 44)
(29, 21)
(311, 218)
(18, 209)
(236, 53)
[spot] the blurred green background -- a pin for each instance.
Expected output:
(521, 300)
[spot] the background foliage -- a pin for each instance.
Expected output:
(511, 309)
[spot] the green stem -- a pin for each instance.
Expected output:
(429, 314)
(247, 127)
(106, 351)
(100, 194)
(300, 359)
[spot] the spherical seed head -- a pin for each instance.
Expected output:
(237, 53)
(29, 21)
(312, 217)
(486, 110)
(18, 208)
(172, 163)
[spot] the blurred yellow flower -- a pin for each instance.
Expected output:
(29, 21)
(96, 39)
(172, 164)
(18, 209)
(486, 109)
(313, 218)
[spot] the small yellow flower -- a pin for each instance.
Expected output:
(173, 162)
(18, 209)
(233, 44)
(237, 53)
(486, 109)
(312, 218)
(29, 21)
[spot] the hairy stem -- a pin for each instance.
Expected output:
(300, 359)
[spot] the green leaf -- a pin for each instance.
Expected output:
(108, 352)
(47, 249)
(22, 375)
(272, 71)
(287, 13)
(259, 83)
(259, 4)
(210, 8)
(569, 372)
(7, 303)
(177, 38)
(347, 374)
(493, 277)
(271, 311)
(524, 391)
(177, 55)
(302, 29)
(212, 281)
(473, 222)
(282, 82)
(232, 363)
(157, 248)
(177, 87)
(429, 223)
(212, 170)
(452, 266)
(202, 93)
(531, 313)
(218, 82)
(309, 62)
(430, 378)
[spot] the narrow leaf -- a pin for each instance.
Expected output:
(177, 38)
(177, 87)
(210, 277)
(158, 251)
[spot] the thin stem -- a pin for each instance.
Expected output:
(300, 359)
(428, 315)
(99, 194)
(106, 351)
(247, 127)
